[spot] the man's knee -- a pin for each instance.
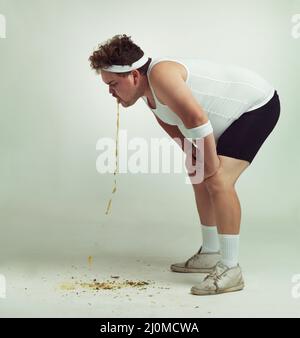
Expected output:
(218, 182)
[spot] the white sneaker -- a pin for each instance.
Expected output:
(221, 280)
(200, 262)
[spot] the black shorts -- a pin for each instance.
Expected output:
(244, 137)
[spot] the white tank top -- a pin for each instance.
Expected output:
(225, 92)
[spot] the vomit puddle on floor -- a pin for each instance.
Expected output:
(95, 285)
(114, 283)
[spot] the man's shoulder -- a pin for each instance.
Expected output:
(162, 66)
(167, 68)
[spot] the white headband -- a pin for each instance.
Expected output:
(123, 69)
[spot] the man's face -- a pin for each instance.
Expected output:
(125, 89)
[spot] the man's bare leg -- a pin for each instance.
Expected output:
(224, 199)
(204, 205)
(227, 275)
(210, 240)
(204, 260)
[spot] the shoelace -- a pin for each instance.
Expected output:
(193, 257)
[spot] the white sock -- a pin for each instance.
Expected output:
(229, 246)
(210, 239)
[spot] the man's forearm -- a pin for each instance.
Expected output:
(211, 159)
(201, 131)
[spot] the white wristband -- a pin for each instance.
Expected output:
(198, 132)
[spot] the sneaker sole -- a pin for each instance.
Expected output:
(217, 292)
(190, 270)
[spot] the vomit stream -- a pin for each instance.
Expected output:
(117, 160)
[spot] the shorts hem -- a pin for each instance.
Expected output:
(236, 157)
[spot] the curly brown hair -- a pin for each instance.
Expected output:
(119, 50)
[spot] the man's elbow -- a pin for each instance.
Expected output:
(194, 121)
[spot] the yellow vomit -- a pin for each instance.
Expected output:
(90, 260)
(104, 285)
(117, 158)
(68, 286)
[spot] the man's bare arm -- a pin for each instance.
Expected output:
(175, 93)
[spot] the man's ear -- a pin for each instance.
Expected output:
(136, 76)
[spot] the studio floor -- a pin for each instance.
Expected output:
(43, 286)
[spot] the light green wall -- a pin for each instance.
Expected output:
(53, 108)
